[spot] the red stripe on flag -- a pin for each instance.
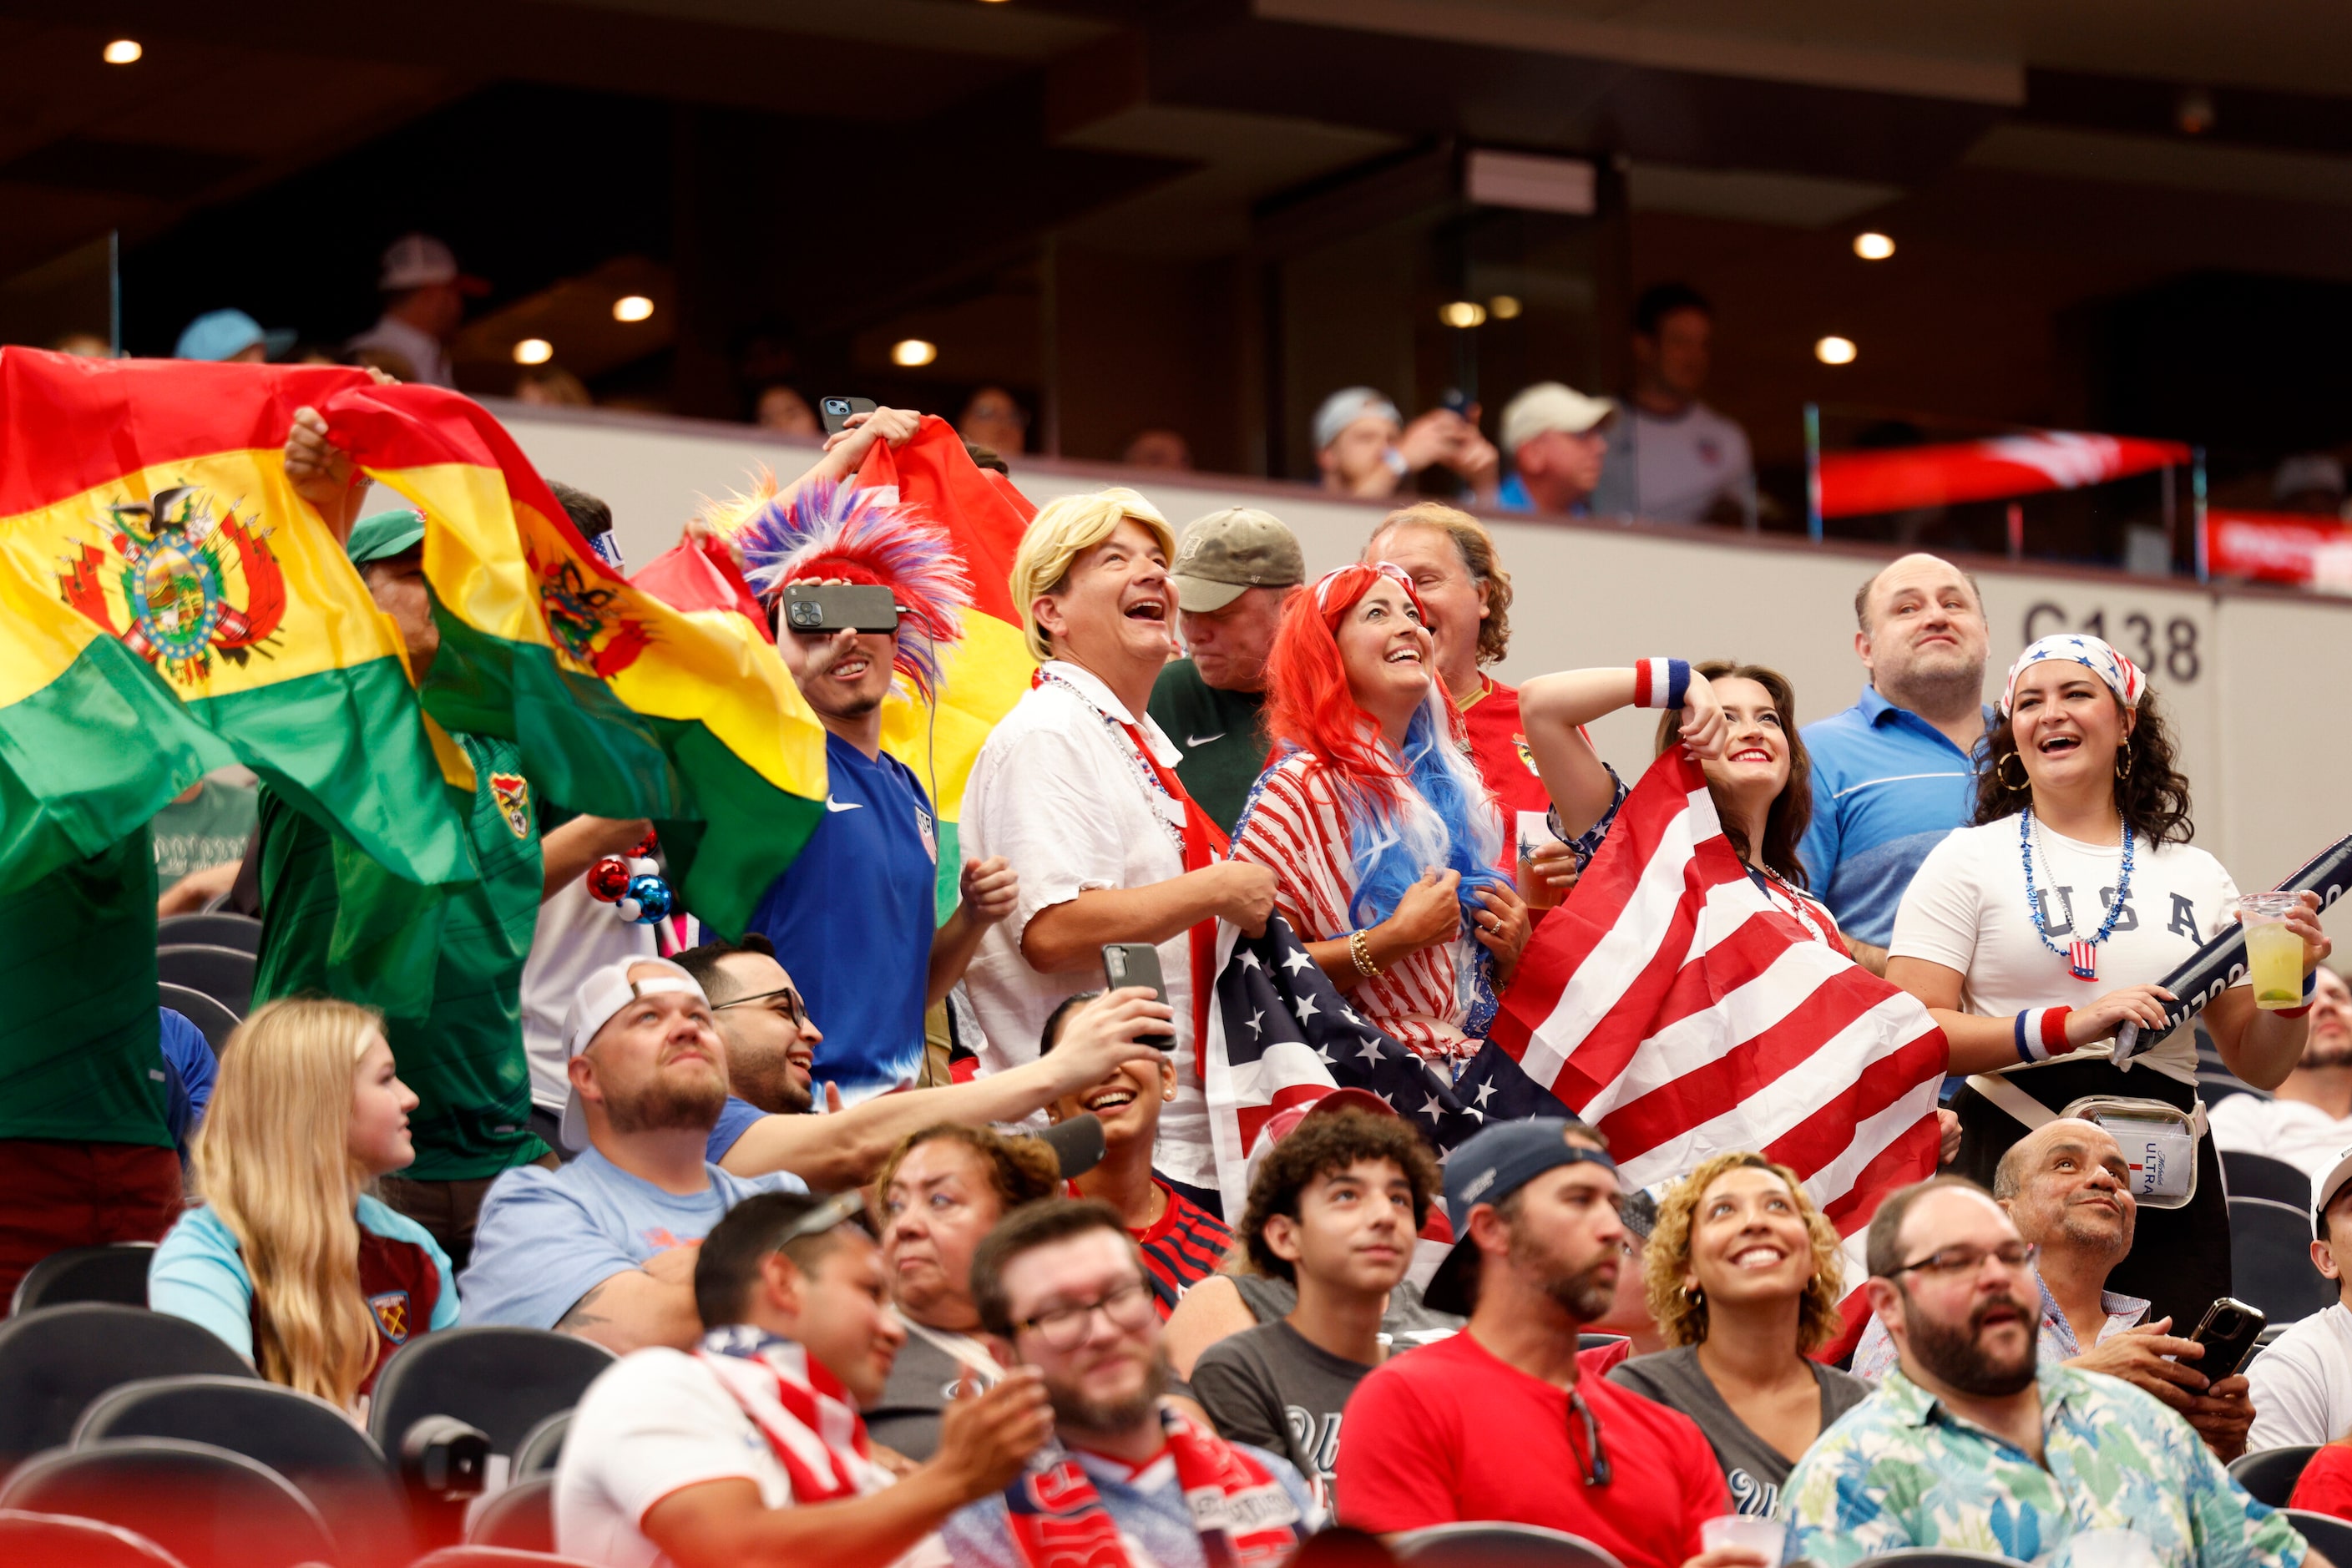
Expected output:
(1909, 1157)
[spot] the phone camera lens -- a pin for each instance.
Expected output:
(800, 612)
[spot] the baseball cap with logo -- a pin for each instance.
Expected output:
(1551, 405)
(1227, 553)
(1488, 1168)
(419, 262)
(2328, 1188)
(602, 994)
(217, 334)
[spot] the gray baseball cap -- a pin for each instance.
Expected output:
(1227, 553)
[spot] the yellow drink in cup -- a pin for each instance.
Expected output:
(2273, 951)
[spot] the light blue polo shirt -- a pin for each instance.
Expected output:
(1888, 787)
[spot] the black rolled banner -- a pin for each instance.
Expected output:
(2223, 960)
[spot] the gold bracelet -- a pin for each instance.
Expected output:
(1359, 948)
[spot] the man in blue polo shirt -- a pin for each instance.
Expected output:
(855, 916)
(1896, 772)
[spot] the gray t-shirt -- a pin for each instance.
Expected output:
(1753, 1467)
(1274, 1388)
(906, 1417)
(1406, 1322)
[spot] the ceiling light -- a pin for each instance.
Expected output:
(1461, 313)
(1834, 351)
(533, 351)
(632, 308)
(1873, 246)
(1503, 307)
(912, 351)
(123, 51)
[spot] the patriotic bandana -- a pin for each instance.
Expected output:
(1243, 1516)
(2123, 676)
(799, 1407)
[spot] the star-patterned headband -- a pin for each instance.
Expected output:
(2122, 676)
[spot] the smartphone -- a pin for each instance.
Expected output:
(2228, 1334)
(835, 411)
(1137, 964)
(816, 608)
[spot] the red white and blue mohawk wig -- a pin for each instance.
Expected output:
(824, 530)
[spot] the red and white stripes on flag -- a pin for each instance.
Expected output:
(1672, 1004)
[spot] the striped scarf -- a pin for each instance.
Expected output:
(1243, 1516)
(799, 1407)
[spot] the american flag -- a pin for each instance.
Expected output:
(1668, 1001)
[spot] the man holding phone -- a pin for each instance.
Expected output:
(2067, 1188)
(862, 603)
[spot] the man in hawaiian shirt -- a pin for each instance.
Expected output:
(1973, 1443)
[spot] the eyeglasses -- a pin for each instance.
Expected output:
(1957, 1262)
(1596, 1472)
(1128, 1306)
(793, 1007)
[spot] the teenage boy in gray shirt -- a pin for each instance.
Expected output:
(1334, 1208)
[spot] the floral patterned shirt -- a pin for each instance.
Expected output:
(1900, 1470)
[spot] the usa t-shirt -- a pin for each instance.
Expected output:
(852, 922)
(1966, 910)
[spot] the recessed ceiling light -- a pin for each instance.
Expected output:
(632, 308)
(912, 351)
(1503, 307)
(1834, 351)
(1461, 312)
(533, 351)
(123, 51)
(1873, 246)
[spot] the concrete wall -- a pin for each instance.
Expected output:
(2253, 679)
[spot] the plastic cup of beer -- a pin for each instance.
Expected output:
(1755, 1532)
(2109, 1547)
(2273, 951)
(1535, 889)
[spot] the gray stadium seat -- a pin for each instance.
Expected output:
(116, 1273)
(522, 1517)
(1489, 1545)
(222, 973)
(221, 929)
(213, 1019)
(56, 1360)
(537, 1454)
(2270, 1260)
(2269, 1474)
(2261, 1176)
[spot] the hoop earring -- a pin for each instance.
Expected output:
(2000, 772)
(2123, 762)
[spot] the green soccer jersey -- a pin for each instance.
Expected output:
(213, 827)
(1225, 750)
(79, 1057)
(464, 1057)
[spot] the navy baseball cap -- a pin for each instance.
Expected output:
(1488, 1168)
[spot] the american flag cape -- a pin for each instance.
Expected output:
(1668, 1001)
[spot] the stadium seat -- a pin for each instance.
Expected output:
(220, 929)
(1486, 1545)
(494, 1557)
(212, 1020)
(2329, 1535)
(1590, 1341)
(117, 1273)
(55, 1360)
(522, 1517)
(2261, 1176)
(2270, 1260)
(222, 973)
(537, 1454)
(205, 1506)
(59, 1540)
(306, 1440)
(504, 1380)
(2269, 1474)
(2213, 1087)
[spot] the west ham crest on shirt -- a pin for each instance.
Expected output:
(391, 1309)
(512, 791)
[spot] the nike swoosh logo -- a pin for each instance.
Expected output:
(833, 805)
(1204, 740)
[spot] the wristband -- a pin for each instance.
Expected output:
(2310, 990)
(2041, 1032)
(1661, 682)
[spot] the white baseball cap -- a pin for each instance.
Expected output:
(605, 992)
(418, 261)
(2326, 1190)
(1551, 406)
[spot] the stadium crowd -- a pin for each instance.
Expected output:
(908, 1227)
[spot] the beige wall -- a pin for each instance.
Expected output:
(2253, 681)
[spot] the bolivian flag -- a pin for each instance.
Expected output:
(169, 605)
(623, 705)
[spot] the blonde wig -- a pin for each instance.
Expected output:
(1682, 1319)
(1063, 530)
(274, 1160)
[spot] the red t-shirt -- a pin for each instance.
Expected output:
(1450, 1433)
(1499, 744)
(2326, 1484)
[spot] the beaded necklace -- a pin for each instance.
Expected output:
(2081, 955)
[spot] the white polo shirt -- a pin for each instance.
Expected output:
(1060, 793)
